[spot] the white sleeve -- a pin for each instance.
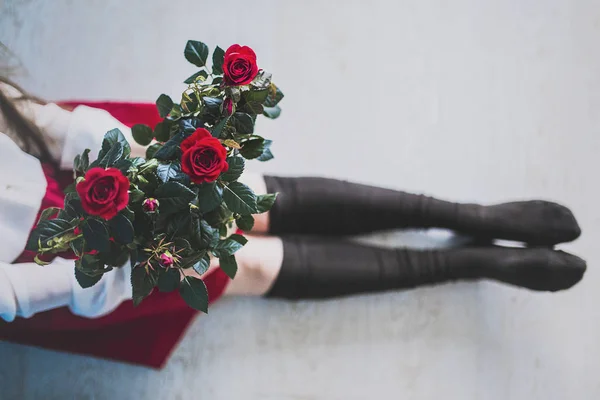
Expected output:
(69, 133)
(28, 288)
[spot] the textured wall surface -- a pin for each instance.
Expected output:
(470, 100)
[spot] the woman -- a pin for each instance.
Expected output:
(296, 251)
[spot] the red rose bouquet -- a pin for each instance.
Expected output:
(169, 212)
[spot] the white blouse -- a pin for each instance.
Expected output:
(27, 288)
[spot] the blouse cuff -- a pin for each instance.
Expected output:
(40, 288)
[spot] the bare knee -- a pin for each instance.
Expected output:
(259, 262)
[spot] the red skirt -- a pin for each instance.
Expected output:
(146, 334)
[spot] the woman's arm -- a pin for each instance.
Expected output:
(69, 133)
(28, 288)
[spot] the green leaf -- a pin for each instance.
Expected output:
(47, 213)
(264, 202)
(212, 107)
(241, 239)
(82, 162)
(176, 112)
(170, 150)
(162, 131)
(210, 196)
(121, 229)
(110, 139)
(168, 171)
(123, 165)
(169, 280)
(90, 265)
(179, 223)
(85, 159)
(117, 256)
(70, 188)
(254, 107)
(243, 123)
(239, 198)
(218, 58)
(236, 168)
(256, 95)
(218, 216)
(245, 222)
(223, 230)
(218, 128)
(274, 96)
(204, 233)
(266, 154)
(73, 205)
(96, 235)
(217, 80)
(272, 112)
(112, 156)
(230, 245)
(173, 197)
(228, 265)
(193, 78)
(77, 163)
(164, 105)
(202, 266)
(190, 124)
(48, 230)
(134, 257)
(142, 134)
(253, 148)
(151, 150)
(137, 161)
(191, 260)
(136, 195)
(194, 293)
(68, 213)
(142, 284)
(196, 52)
(86, 281)
(78, 246)
(128, 213)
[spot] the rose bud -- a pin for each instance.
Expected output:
(77, 231)
(150, 205)
(166, 260)
(228, 106)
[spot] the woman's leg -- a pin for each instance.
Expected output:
(311, 267)
(323, 206)
(302, 267)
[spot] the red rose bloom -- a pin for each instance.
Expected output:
(203, 157)
(239, 65)
(104, 192)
